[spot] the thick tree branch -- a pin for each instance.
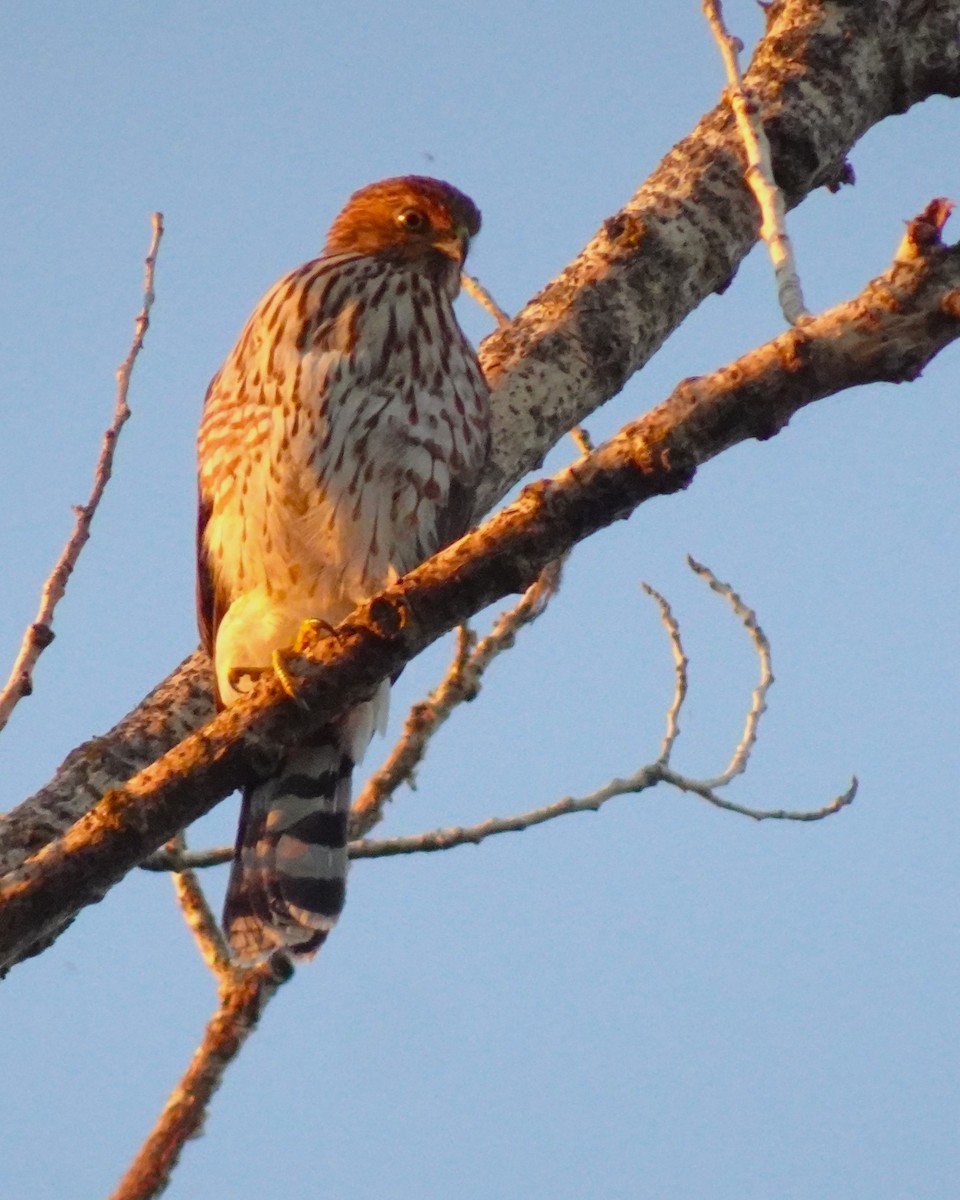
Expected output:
(888, 332)
(823, 75)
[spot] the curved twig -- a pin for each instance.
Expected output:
(39, 634)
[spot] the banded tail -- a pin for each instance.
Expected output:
(288, 879)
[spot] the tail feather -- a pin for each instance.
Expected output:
(288, 879)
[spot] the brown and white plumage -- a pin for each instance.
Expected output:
(339, 447)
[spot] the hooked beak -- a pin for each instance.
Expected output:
(454, 244)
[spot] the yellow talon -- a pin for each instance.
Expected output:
(281, 672)
(311, 626)
(307, 631)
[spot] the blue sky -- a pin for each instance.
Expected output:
(658, 1001)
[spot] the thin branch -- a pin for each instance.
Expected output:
(647, 777)
(40, 633)
(197, 914)
(476, 291)
(680, 665)
(244, 994)
(705, 792)
(759, 173)
(461, 683)
(758, 702)
(168, 859)
(446, 839)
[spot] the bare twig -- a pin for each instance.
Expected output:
(705, 792)
(461, 683)
(40, 633)
(583, 440)
(646, 777)
(758, 702)
(169, 859)
(680, 663)
(244, 994)
(476, 291)
(197, 914)
(640, 781)
(759, 173)
(446, 839)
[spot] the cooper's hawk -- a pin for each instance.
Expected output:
(339, 447)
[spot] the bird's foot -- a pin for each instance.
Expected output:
(305, 634)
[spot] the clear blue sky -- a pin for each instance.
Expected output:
(659, 1001)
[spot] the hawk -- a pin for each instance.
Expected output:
(340, 446)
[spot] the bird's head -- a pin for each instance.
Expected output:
(411, 218)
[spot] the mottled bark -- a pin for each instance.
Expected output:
(888, 332)
(826, 72)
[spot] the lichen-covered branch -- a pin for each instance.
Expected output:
(822, 76)
(888, 332)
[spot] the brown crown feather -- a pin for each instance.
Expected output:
(369, 221)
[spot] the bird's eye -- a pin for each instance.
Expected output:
(412, 220)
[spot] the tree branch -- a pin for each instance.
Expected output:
(759, 173)
(461, 683)
(758, 702)
(888, 332)
(656, 772)
(40, 633)
(822, 76)
(243, 997)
